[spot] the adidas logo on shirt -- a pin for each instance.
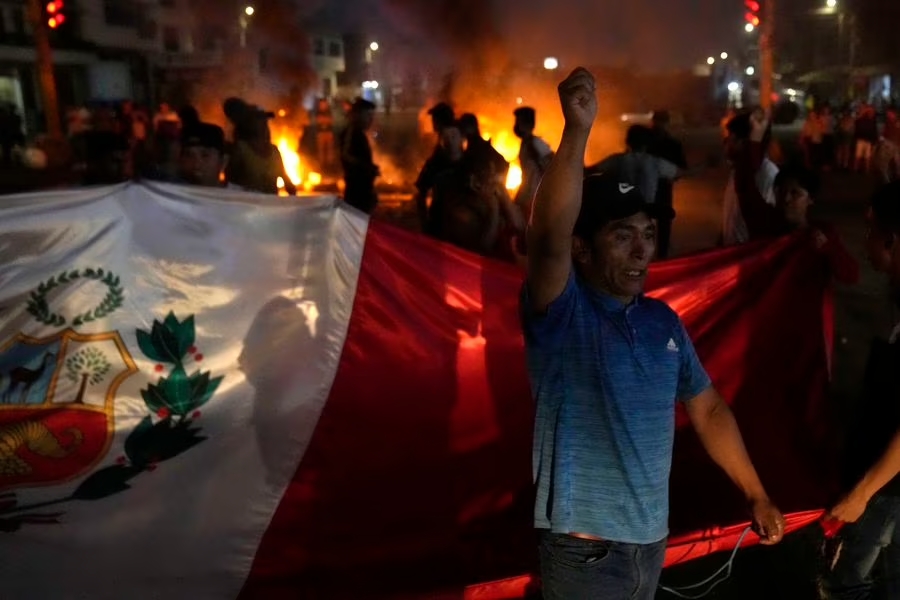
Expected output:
(672, 346)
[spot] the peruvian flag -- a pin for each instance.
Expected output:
(213, 394)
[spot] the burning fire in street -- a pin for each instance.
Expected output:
(293, 166)
(507, 144)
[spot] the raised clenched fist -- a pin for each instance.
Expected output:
(578, 97)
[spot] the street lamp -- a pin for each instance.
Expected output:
(710, 61)
(734, 86)
(831, 3)
(244, 23)
(551, 64)
(723, 56)
(749, 27)
(750, 70)
(373, 46)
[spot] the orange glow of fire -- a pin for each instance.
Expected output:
(293, 166)
(507, 144)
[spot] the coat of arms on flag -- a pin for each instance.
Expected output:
(58, 394)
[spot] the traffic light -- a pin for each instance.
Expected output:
(55, 14)
(752, 15)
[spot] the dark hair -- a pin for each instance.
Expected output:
(526, 114)
(801, 175)
(469, 123)
(442, 114)
(638, 137)
(740, 127)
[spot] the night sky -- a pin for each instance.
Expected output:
(648, 34)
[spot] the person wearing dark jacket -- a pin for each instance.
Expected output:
(666, 147)
(870, 508)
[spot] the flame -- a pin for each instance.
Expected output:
(507, 144)
(293, 166)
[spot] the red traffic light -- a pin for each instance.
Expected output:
(752, 19)
(752, 5)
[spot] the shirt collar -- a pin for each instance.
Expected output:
(610, 303)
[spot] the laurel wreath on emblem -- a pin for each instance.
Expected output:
(168, 430)
(38, 307)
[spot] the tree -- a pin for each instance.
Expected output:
(88, 365)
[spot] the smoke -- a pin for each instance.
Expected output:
(482, 62)
(270, 42)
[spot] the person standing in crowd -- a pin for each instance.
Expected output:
(607, 367)
(479, 151)
(254, 163)
(737, 147)
(534, 156)
(668, 148)
(360, 170)
(795, 188)
(465, 214)
(442, 116)
(870, 509)
(202, 155)
(866, 133)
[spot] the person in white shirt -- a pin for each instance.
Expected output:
(734, 229)
(534, 156)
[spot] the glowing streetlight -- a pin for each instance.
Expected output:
(734, 86)
(831, 3)
(750, 70)
(374, 46)
(749, 27)
(710, 60)
(249, 10)
(723, 56)
(551, 64)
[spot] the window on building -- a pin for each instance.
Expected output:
(334, 49)
(318, 47)
(171, 39)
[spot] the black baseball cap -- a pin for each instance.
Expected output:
(205, 135)
(608, 197)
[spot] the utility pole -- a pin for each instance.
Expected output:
(766, 54)
(44, 63)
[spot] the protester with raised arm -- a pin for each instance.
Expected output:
(607, 366)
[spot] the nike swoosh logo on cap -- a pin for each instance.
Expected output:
(624, 188)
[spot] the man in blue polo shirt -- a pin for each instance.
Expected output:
(607, 366)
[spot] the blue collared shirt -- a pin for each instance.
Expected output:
(606, 378)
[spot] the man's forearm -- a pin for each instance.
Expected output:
(718, 432)
(882, 472)
(558, 198)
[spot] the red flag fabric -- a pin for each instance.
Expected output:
(418, 477)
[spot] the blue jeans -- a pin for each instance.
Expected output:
(872, 544)
(577, 569)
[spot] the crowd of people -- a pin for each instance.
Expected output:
(607, 364)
